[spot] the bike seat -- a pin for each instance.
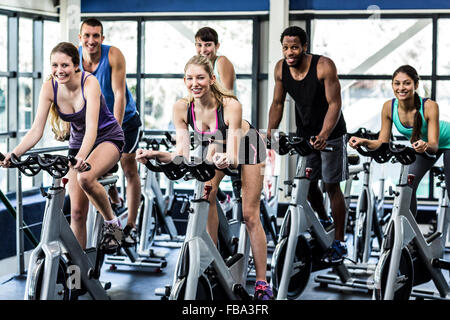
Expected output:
(353, 159)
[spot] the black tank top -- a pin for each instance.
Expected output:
(311, 104)
(218, 135)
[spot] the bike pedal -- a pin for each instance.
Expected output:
(106, 285)
(240, 291)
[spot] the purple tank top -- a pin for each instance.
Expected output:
(108, 127)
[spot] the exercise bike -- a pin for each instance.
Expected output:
(303, 239)
(408, 258)
(59, 268)
(154, 216)
(201, 272)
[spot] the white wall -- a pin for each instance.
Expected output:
(37, 6)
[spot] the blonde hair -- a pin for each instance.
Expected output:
(217, 89)
(60, 128)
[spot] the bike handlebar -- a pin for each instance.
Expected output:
(176, 169)
(56, 165)
(300, 145)
(404, 154)
(364, 133)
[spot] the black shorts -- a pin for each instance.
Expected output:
(119, 144)
(331, 167)
(252, 149)
(131, 130)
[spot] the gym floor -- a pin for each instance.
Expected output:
(139, 284)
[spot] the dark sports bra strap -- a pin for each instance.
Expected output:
(55, 90)
(83, 81)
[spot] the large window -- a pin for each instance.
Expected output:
(3, 42)
(3, 179)
(3, 100)
(362, 101)
(123, 35)
(25, 47)
(366, 53)
(443, 99)
(374, 46)
(170, 44)
(443, 53)
(52, 38)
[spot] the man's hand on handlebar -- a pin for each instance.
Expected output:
(318, 142)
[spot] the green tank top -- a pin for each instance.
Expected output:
(444, 126)
(216, 73)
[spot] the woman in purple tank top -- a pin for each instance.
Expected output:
(71, 96)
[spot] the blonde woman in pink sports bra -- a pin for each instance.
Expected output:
(215, 114)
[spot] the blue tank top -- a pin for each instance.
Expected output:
(108, 128)
(444, 126)
(103, 75)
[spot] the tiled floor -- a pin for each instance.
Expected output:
(133, 284)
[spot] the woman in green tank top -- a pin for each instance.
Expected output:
(418, 120)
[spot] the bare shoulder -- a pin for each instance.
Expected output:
(386, 111)
(430, 108)
(91, 83)
(223, 61)
(179, 112)
(90, 79)
(231, 104)
(325, 67)
(180, 107)
(431, 104)
(115, 55)
(278, 69)
(47, 89)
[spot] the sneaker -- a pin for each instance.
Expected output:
(112, 237)
(336, 254)
(130, 236)
(226, 204)
(263, 291)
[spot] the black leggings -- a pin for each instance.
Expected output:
(422, 166)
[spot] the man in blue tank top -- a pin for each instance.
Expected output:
(312, 82)
(107, 63)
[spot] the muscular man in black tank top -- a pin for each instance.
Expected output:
(312, 82)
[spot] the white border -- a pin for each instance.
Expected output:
(173, 14)
(25, 10)
(369, 11)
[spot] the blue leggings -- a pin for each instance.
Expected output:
(422, 166)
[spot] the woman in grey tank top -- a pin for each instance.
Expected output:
(68, 94)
